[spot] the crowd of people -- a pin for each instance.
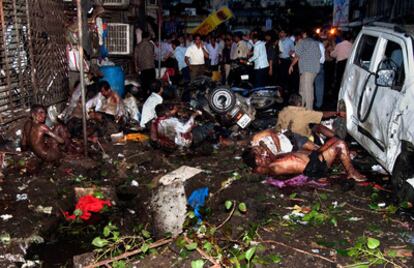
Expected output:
(300, 143)
(304, 62)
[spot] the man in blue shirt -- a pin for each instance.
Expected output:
(259, 58)
(286, 49)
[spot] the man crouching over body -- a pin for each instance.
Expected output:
(314, 164)
(48, 144)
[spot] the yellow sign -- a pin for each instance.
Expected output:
(212, 21)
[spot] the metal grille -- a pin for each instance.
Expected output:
(48, 49)
(15, 73)
(119, 39)
(115, 2)
(32, 56)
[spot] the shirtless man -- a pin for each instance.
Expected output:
(43, 141)
(313, 164)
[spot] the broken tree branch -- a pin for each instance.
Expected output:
(156, 244)
(300, 251)
(204, 254)
(228, 217)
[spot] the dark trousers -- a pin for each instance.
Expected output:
(203, 133)
(339, 73)
(186, 94)
(260, 77)
(283, 74)
(196, 70)
(147, 77)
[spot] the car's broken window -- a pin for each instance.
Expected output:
(393, 53)
(365, 51)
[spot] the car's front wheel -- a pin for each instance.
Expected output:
(402, 172)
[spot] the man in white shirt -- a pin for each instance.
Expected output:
(241, 50)
(195, 57)
(320, 80)
(214, 51)
(259, 58)
(169, 132)
(148, 109)
(179, 54)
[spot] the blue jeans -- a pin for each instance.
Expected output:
(319, 87)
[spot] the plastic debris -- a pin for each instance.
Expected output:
(45, 210)
(85, 206)
(6, 217)
(21, 197)
(197, 200)
(297, 181)
(134, 183)
(181, 174)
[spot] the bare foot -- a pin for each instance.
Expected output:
(356, 176)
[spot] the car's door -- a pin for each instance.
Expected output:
(377, 103)
(360, 88)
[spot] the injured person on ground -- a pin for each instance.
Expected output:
(312, 163)
(169, 132)
(46, 143)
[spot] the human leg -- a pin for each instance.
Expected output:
(308, 89)
(336, 148)
(319, 87)
(321, 129)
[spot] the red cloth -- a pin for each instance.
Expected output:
(88, 204)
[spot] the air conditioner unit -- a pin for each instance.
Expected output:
(115, 3)
(119, 39)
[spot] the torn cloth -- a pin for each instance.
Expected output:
(297, 181)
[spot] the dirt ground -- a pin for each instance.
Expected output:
(343, 212)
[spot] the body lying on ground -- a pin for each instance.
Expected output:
(310, 160)
(170, 132)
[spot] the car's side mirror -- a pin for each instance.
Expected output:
(385, 77)
(386, 73)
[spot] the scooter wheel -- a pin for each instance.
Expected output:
(222, 100)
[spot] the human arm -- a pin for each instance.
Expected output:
(294, 61)
(48, 132)
(255, 54)
(332, 114)
(187, 60)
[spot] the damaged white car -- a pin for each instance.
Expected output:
(377, 93)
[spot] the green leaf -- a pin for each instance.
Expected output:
(275, 258)
(197, 264)
(146, 234)
(343, 252)
(208, 246)
(323, 196)
(144, 247)
(293, 195)
(373, 243)
(99, 242)
(191, 246)
(242, 207)
(228, 204)
(191, 215)
(249, 253)
(334, 222)
(99, 195)
(106, 231)
(77, 212)
(119, 264)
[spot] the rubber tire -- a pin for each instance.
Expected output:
(213, 97)
(403, 170)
